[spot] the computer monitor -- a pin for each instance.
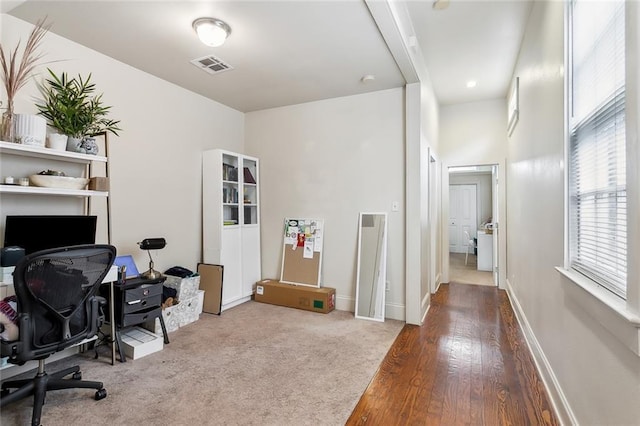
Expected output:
(35, 233)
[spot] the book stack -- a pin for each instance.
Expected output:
(229, 195)
(229, 172)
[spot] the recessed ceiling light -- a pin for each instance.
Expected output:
(471, 84)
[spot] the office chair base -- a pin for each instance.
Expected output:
(41, 383)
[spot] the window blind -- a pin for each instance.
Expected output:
(597, 151)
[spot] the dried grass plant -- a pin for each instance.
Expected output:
(15, 73)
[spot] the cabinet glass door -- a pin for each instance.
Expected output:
(230, 197)
(250, 192)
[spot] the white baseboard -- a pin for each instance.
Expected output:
(556, 395)
(395, 311)
(392, 310)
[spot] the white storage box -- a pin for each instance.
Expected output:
(185, 287)
(138, 342)
(171, 320)
(7, 274)
(191, 309)
(6, 290)
(176, 316)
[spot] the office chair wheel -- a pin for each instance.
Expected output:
(77, 375)
(101, 394)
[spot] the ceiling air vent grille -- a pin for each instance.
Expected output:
(211, 64)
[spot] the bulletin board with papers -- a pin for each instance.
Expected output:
(302, 251)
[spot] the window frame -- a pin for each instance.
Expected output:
(619, 316)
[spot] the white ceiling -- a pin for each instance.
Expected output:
(289, 52)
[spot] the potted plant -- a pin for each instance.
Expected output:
(71, 107)
(15, 72)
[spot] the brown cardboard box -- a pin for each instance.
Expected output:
(314, 299)
(99, 184)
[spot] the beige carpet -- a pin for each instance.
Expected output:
(467, 274)
(254, 364)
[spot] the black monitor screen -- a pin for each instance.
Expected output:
(35, 233)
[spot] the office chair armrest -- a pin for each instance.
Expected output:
(102, 302)
(99, 303)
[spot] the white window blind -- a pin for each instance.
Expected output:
(597, 172)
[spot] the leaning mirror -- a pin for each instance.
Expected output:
(372, 266)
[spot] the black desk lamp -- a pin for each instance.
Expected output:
(152, 244)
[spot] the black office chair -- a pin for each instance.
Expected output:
(58, 307)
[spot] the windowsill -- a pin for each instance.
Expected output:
(609, 310)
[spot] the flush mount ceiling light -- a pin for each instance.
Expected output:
(471, 84)
(440, 4)
(211, 31)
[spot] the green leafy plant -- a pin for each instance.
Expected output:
(71, 106)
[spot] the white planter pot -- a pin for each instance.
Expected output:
(30, 129)
(57, 141)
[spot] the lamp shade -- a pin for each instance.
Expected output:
(212, 32)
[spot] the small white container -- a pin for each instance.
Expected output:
(30, 129)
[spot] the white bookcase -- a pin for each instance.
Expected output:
(231, 221)
(20, 161)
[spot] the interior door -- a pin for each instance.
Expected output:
(462, 216)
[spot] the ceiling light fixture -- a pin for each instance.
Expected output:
(211, 31)
(471, 84)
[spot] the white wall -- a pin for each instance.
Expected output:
(589, 369)
(155, 165)
(332, 159)
(474, 133)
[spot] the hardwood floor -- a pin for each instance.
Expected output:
(468, 364)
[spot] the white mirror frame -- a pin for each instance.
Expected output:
(370, 304)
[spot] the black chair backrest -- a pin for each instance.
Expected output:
(56, 292)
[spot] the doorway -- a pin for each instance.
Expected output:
(473, 211)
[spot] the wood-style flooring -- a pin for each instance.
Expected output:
(468, 364)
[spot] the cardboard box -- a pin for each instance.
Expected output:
(138, 342)
(98, 184)
(314, 299)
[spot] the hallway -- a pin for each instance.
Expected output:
(467, 274)
(467, 364)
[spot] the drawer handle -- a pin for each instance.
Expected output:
(133, 302)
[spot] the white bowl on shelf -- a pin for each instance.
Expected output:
(63, 182)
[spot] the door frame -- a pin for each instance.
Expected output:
(501, 214)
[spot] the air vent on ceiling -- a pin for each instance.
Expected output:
(211, 64)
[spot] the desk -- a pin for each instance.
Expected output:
(132, 302)
(485, 251)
